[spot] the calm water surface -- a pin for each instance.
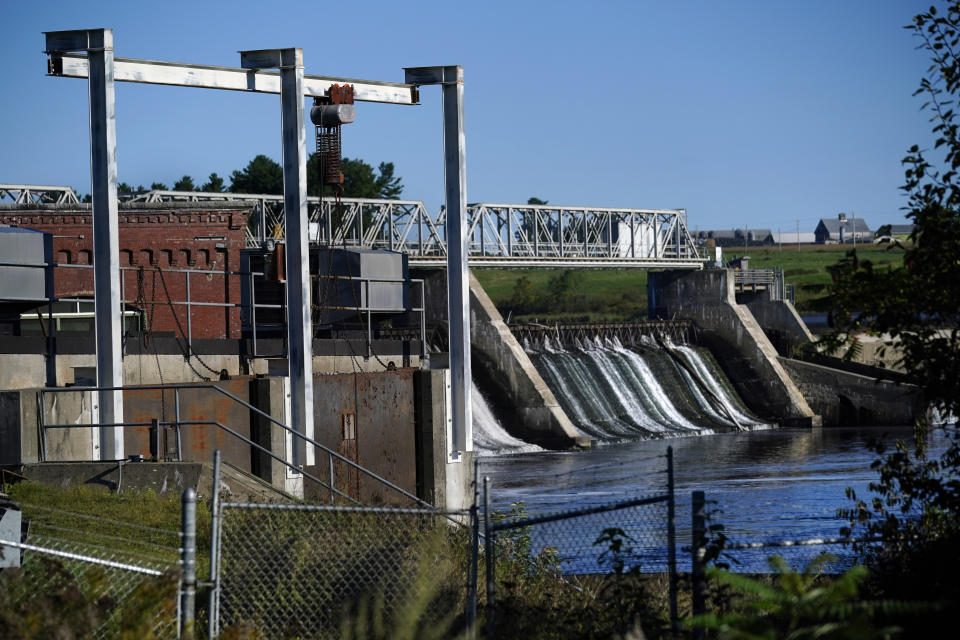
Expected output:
(778, 484)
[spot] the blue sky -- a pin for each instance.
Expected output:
(758, 113)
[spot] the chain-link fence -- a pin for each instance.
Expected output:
(76, 589)
(597, 568)
(310, 571)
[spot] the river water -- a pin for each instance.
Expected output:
(762, 483)
(778, 484)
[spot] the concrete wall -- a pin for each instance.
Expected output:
(778, 318)
(844, 398)
(23, 360)
(500, 363)
(440, 481)
(504, 365)
(748, 358)
(368, 417)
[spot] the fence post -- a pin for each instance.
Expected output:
(697, 552)
(474, 553)
(672, 541)
(488, 552)
(188, 590)
(214, 605)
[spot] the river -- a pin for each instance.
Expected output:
(777, 484)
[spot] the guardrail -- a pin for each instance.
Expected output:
(163, 298)
(177, 423)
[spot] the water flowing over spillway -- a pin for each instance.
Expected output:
(489, 436)
(612, 392)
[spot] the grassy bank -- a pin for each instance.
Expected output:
(135, 525)
(616, 295)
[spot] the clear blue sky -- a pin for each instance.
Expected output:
(757, 113)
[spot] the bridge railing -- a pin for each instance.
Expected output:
(498, 233)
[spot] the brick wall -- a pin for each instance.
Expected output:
(156, 245)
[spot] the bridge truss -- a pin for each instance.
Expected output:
(500, 235)
(37, 194)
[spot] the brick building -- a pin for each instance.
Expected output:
(170, 253)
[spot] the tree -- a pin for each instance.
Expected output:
(883, 230)
(158, 186)
(916, 506)
(537, 201)
(261, 175)
(213, 184)
(123, 187)
(562, 286)
(524, 298)
(359, 179)
(184, 184)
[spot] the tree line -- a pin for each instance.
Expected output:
(265, 175)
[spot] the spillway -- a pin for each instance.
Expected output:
(614, 393)
(489, 436)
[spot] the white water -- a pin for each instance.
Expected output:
(489, 436)
(694, 359)
(611, 392)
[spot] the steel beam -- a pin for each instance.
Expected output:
(299, 328)
(98, 44)
(254, 79)
(457, 225)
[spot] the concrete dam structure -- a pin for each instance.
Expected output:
(711, 368)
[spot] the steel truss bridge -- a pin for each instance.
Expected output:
(500, 235)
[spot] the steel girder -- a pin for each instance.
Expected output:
(500, 235)
(37, 194)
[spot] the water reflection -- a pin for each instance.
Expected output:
(780, 484)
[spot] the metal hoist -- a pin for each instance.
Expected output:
(329, 114)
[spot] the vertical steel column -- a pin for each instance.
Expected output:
(98, 44)
(299, 329)
(457, 226)
(586, 237)
(51, 361)
(677, 233)
(458, 275)
(536, 232)
(610, 235)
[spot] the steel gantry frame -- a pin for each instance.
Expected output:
(89, 54)
(499, 235)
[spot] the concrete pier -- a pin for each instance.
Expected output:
(732, 332)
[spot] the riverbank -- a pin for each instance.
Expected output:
(619, 295)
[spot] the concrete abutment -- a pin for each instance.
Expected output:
(730, 330)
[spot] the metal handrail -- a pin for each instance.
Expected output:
(214, 423)
(331, 454)
(251, 307)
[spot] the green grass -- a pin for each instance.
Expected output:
(806, 269)
(615, 295)
(141, 525)
(604, 295)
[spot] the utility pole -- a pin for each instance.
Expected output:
(853, 216)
